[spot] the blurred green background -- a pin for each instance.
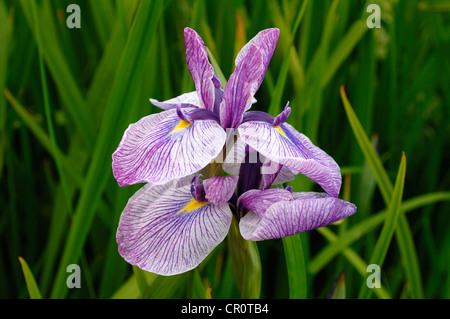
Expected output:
(67, 95)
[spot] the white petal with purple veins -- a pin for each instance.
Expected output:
(161, 147)
(283, 218)
(165, 231)
(184, 100)
(201, 70)
(284, 145)
(219, 189)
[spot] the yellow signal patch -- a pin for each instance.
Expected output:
(182, 124)
(280, 130)
(192, 205)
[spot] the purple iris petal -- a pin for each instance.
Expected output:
(192, 115)
(161, 147)
(251, 65)
(219, 189)
(184, 100)
(249, 172)
(281, 218)
(201, 70)
(165, 231)
(266, 41)
(197, 189)
(284, 145)
(257, 116)
(259, 200)
(241, 87)
(282, 117)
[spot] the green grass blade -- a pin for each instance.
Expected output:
(245, 263)
(165, 287)
(354, 259)
(384, 184)
(410, 263)
(195, 287)
(364, 227)
(103, 14)
(339, 288)
(343, 50)
(140, 279)
(129, 74)
(33, 289)
(389, 226)
(217, 69)
(42, 137)
(5, 37)
(67, 86)
(275, 104)
(296, 268)
(295, 66)
(372, 158)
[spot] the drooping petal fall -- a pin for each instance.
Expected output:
(284, 145)
(161, 147)
(164, 230)
(281, 218)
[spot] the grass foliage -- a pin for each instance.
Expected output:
(376, 100)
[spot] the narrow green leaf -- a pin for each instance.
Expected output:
(389, 226)
(275, 104)
(354, 259)
(164, 287)
(42, 137)
(125, 85)
(361, 229)
(196, 289)
(67, 86)
(33, 289)
(217, 69)
(295, 66)
(296, 268)
(407, 250)
(338, 291)
(245, 263)
(372, 158)
(140, 279)
(102, 13)
(343, 50)
(130, 290)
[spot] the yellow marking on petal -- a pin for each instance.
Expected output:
(182, 124)
(192, 205)
(280, 130)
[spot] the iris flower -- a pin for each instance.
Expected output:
(186, 208)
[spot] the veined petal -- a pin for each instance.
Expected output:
(241, 87)
(273, 173)
(266, 41)
(164, 230)
(258, 201)
(184, 100)
(284, 145)
(219, 189)
(201, 70)
(283, 218)
(161, 147)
